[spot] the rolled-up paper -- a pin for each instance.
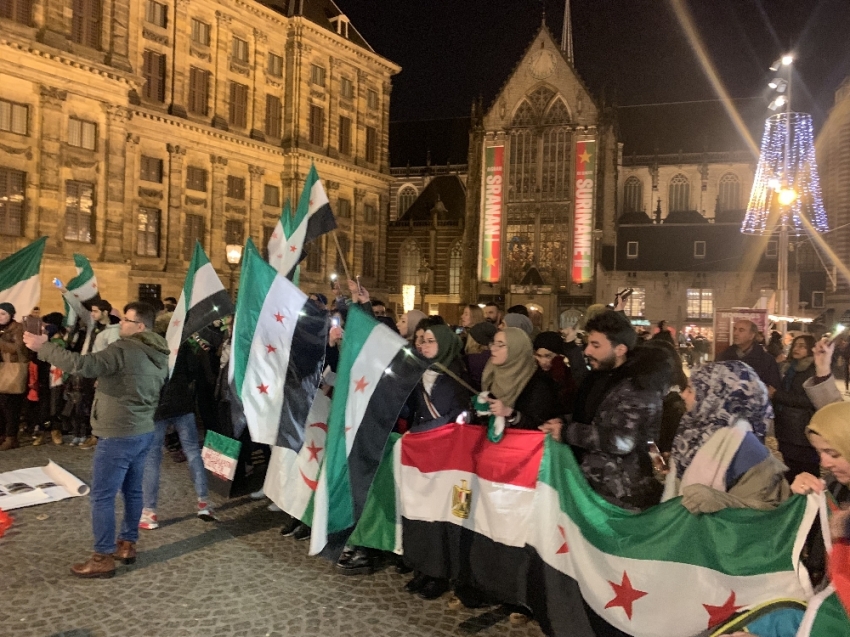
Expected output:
(66, 479)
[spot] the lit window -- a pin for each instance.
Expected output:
(240, 50)
(729, 192)
(680, 193)
(700, 303)
(82, 134)
(633, 195)
(13, 117)
(275, 67)
(632, 250)
(699, 249)
(200, 32)
(455, 260)
(406, 196)
(156, 13)
(317, 75)
(410, 257)
(372, 99)
(636, 303)
(346, 88)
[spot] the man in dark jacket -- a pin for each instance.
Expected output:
(130, 374)
(744, 348)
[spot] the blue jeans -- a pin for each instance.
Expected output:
(118, 466)
(188, 433)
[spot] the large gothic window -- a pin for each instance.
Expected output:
(540, 98)
(525, 115)
(523, 165)
(633, 195)
(410, 261)
(729, 192)
(680, 193)
(455, 259)
(406, 196)
(556, 164)
(557, 113)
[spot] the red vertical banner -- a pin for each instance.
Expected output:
(584, 200)
(492, 198)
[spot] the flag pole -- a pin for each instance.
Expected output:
(454, 376)
(341, 256)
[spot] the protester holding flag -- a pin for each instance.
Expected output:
(13, 375)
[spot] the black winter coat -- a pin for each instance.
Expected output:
(793, 408)
(538, 402)
(448, 398)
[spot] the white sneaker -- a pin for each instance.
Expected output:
(148, 521)
(205, 512)
(258, 495)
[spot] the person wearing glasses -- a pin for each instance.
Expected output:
(130, 374)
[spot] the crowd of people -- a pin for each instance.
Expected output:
(643, 431)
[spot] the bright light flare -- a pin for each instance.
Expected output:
(787, 60)
(787, 196)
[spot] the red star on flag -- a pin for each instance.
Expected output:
(625, 595)
(176, 322)
(310, 205)
(293, 248)
(564, 548)
(314, 451)
(274, 235)
(361, 384)
(719, 614)
(264, 389)
(56, 373)
(270, 349)
(279, 255)
(279, 317)
(94, 285)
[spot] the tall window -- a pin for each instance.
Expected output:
(235, 187)
(153, 70)
(234, 231)
(346, 88)
(343, 208)
(372, 99)
(17, 10)
(406, 196)
(680, 193)
(700, 303)
(196, 179)
(314, 257)
(79, 211)
(13, 117)
(317, 75)
(317, 125)
(410, 262)
(633, 195)
(82, 134)
(368, 258)
(275, 65)
(631, 249)
(147, 232)
(239, 50)
(729, 192)
(555, 168)
(12, 198)
(345, 135)
(455, 259)
(636, 303)
(151, 169)
(156, 13)
(343, 247)
(523, 165)
(271, 195)
(86, 22)
(193, 232)
(371, 145)
(199, 91)
(370, 213)
(274, 113)
(200, 32)
(238, 105)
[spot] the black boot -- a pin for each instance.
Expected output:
(360, 563)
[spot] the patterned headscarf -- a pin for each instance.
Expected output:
(724, 392)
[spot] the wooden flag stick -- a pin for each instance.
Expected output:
(341, 256)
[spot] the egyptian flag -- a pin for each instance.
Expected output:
(517, 519)
(377, 371)
(202, 301)
(312, 219)
(83, 287)
(277, 353)
(20, 283)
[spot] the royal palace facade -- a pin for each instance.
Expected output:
(128, 130)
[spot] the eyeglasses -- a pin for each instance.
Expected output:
(497, 345)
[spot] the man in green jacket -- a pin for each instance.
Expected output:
(130, 374)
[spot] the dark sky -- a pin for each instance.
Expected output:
(634, 50)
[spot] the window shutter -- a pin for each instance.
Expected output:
(77, 21)
(160, 79)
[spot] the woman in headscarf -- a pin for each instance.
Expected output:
(476, 358)
(519, 390)
(407, 324)
(718, 459)
(518, 320)
(549, 355)
(794, 409)
(13, 375)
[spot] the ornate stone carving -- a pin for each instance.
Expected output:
(319, 95)
(239, 67)
(147, 34)
(132, 139)
(257, 171)
(259, 36)
(203, 55)
(174, 149)
(238, 209)
(118, 114)
(359, 193)
(223, 18)
(26, 152)
(271, 82)
(52, 96)
(218, 160)
(387, 88)
(193, 201)
(348, 106)
(150, 193)
(76, 162)
(331, 185)
(362, 76)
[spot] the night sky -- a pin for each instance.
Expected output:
(634, 51)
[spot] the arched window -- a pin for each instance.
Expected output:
(633, 195)
(680, 193)
(555, 167)
(410, 261)
(455, 258)
(525, 115)
(540, 98)
(729, 192)
(557, 114)
(522, 178)
(406, 196)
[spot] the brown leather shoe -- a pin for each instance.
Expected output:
(38, 440)
(57, 436)
(11, 442)
(98, 565)
(126, 552)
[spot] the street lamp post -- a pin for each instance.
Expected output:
(233, 254)
(424, 276)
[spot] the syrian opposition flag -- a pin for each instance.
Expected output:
(520, 521)
(202, 301)
(20, 283)
(377, 371)
(83, 286)
(312, 219)
(826, 616)
(277, 353)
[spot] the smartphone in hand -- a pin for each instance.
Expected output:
(32, 324)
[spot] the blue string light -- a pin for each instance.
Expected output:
(802, 177)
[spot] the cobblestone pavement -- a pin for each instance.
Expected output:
(237, 577)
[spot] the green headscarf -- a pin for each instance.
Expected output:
(506, 381)
(449, 345)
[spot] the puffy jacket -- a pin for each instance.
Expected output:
(793, 408)
(130, 374)
(12, 342)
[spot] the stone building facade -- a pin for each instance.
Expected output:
(130, 129)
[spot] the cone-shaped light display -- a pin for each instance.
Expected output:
(796, 194)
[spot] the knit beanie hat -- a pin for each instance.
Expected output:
(8, 308)
(483, 333)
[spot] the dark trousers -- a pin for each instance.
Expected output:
(10, 413)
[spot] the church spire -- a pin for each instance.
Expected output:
(567, 33)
